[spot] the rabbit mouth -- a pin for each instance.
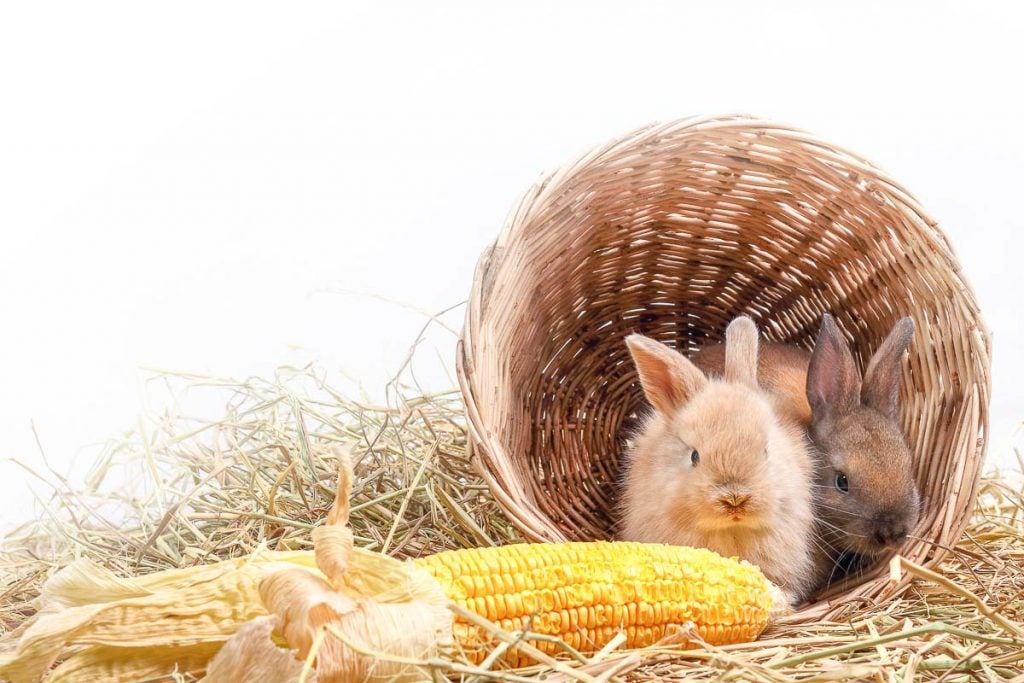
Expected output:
(736, 514)
(886, 534)
(868, 548)
(741, 518)
(729, 516)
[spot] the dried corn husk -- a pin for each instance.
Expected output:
(107, 628)
(406, 617)
(136, 628)
(252, 655)
(84, 604)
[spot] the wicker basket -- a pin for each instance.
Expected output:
(672, 231)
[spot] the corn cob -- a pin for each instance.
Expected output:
(586, 593)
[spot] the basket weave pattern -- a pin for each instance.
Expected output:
(672, 231)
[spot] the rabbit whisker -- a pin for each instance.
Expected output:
(847, 513)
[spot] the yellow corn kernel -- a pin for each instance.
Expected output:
(585, 593)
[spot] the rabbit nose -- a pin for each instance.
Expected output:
(735, 500)
(890, 535)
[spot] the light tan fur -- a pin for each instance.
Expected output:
(741, 352)
(749, 495)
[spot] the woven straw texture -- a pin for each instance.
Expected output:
(672, 231)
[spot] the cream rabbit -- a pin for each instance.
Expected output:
(714, 467)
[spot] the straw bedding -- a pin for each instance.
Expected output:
(204, 491)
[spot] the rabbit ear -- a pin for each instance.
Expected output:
(881, 389)
(669, 380)
(741, 351)
(833, 383)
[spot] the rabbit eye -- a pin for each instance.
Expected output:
(842, 483)
(694, 457)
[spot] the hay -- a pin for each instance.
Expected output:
(178, 491)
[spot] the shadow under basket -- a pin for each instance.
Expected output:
(672, 231)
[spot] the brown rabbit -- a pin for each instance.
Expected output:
(713, 467)
(866, 500)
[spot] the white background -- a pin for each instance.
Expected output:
(180, 184)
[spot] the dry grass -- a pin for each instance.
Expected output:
(178, 491)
